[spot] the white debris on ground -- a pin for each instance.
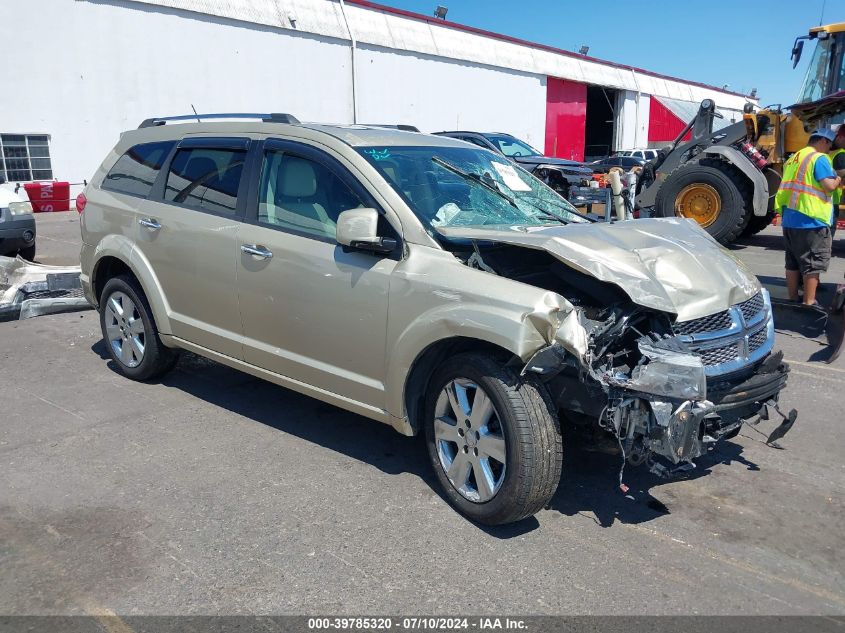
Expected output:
(29, 289)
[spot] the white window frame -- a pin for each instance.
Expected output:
(27, 146)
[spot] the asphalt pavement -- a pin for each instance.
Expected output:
(212, 492)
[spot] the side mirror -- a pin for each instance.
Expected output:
(796, 51)
(358, 229)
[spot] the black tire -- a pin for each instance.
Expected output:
(757, 223)
(157, 359)
(731, 186)
(532, 436)
(28, 253)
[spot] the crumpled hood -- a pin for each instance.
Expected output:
(669, 264)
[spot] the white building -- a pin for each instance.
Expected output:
(105, 65)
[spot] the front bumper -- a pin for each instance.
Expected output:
(16, 233)
(680, 432)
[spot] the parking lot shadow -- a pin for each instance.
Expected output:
(774, 242)
(769, 242)
(590, 484)
(309, 419)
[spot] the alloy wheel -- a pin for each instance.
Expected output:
(470, 440)
(125, 329)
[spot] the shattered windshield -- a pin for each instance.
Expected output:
(457, 186)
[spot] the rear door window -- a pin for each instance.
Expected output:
(206, 178)
(135, 172)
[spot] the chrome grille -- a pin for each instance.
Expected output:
(709, 323)
(718, 355)
(756, 340)
(729, 340)
(752, 307)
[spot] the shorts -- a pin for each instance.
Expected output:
(807, 250)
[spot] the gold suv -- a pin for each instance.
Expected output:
(429, 284)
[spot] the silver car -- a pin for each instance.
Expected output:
(430, 285)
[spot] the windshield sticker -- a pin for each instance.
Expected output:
(511, 177)
(378, 155)
(446, 214)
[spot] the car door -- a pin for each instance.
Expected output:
(187, 232)
(311, 311)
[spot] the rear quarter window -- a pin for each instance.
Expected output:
(136, 171)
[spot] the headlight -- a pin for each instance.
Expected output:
(20, 208)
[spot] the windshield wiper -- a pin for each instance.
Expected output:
(548, 214)
(474, 178)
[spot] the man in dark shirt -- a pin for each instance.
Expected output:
(837, 155)
(837, 159)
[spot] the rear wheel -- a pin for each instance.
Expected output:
(493, 440)
(130, 332)
(711, 192)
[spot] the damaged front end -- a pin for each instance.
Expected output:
(665, 389)
(667, 343)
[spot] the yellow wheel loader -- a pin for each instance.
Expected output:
(726, 179)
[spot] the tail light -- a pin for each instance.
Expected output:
(81, 201)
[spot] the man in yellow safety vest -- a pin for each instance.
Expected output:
(804, 201)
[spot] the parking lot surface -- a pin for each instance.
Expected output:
(212, 492)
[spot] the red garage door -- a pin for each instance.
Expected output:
(663, 125)
(566, 118)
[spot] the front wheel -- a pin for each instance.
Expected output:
(493, 440)
(712, 192)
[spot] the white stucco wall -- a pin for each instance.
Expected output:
(388, 30)
(98, 67)
(438, 94)
(102, 69)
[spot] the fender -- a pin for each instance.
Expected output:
(520, 332)
(122, 248)
(758, 180)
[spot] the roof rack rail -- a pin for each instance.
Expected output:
(273, 117)
(401, 126)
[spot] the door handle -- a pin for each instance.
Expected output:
(149, 223)
(257, 250)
